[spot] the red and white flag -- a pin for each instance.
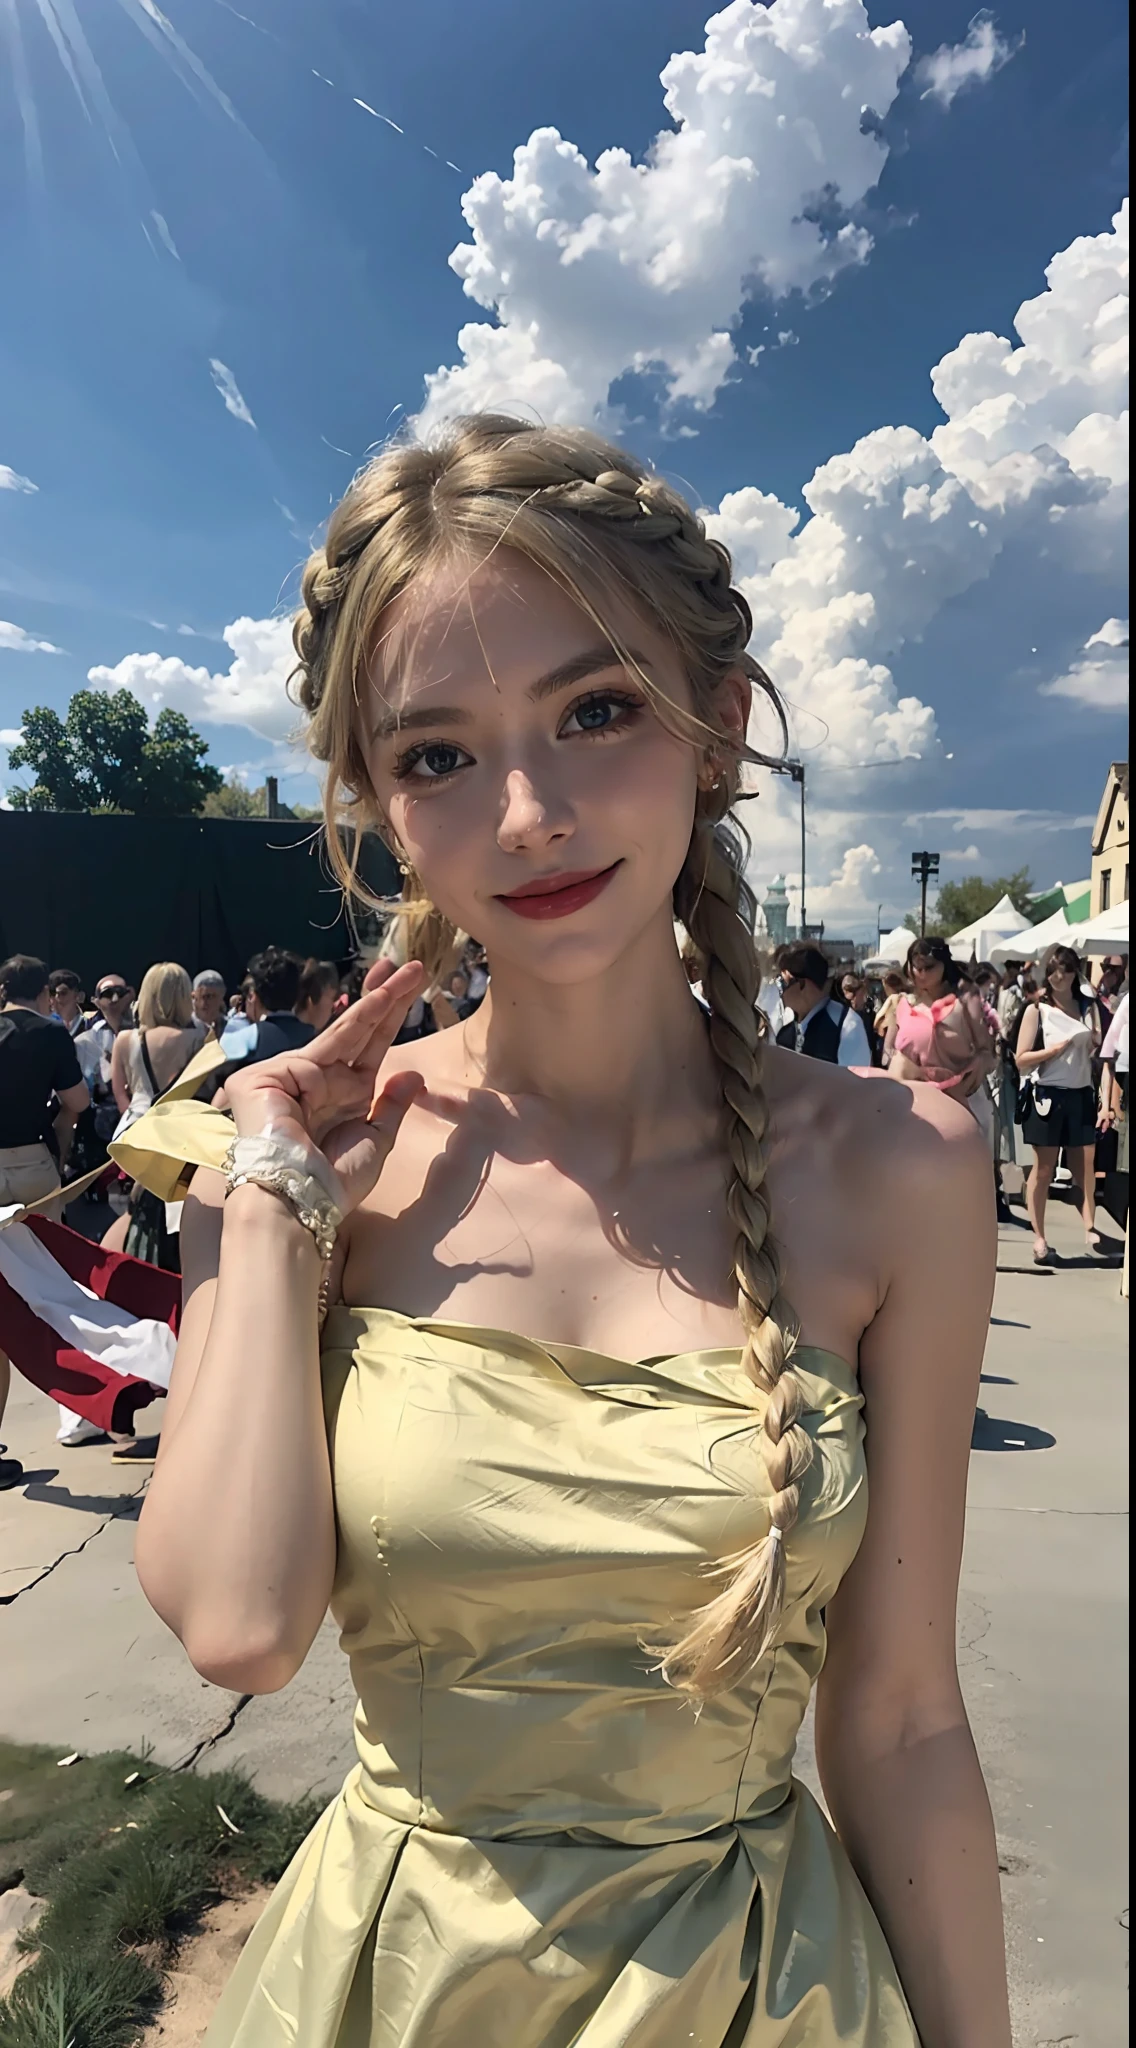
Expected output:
(93, 1329)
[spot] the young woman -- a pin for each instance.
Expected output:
(582, 1467)
(1058, 1039)
(147, 1061)
(941, 1034)
(894, 986)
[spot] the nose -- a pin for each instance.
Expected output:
(530, 817)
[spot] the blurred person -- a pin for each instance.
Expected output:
(1113, 982)
(1114, 1082)
(209, 1006)
(39, 1068)
(270, 1024)
(95, 1049)
(319, 993)
(857, 996)
(941, 1034)
(818, 1025)
(477, 972)
(1010, 1001)
(68, 1000)
(1058, 1038)
(894, 986)
(148, 1057)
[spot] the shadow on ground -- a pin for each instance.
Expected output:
(991, 1433)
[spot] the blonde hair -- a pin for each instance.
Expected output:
(603, 528)
(165, 996)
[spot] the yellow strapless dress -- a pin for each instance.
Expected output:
(541, 1844)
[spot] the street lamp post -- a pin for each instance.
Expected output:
(923, 865)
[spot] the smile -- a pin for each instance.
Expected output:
(558, 895)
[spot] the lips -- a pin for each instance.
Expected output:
(558, 895)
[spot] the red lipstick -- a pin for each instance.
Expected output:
(558, 895)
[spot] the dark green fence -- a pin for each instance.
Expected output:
(114, 894)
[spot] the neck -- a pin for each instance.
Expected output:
(624, 1056)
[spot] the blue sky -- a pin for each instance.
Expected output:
(220, 203)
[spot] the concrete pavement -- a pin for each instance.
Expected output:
(1042, 1633)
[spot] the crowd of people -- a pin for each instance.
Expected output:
(1036, 1051)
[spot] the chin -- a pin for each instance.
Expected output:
(575, 950)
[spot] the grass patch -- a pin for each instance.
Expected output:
(126, 1870)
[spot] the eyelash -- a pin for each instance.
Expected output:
(629, 704)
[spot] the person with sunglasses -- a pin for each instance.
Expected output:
(818, 1026)
(95, 1046)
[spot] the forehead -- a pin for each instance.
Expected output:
(468, 627)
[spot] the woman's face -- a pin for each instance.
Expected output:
(1062, 977)
(526, 778)
(927, 976)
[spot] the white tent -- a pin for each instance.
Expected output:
(1107, 933)
(975, 941)
(1032, 942)
(892, 949)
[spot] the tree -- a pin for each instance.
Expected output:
(234, 799)
(962, 903)
(105, 756)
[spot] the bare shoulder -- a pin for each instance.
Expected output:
(901, 1135)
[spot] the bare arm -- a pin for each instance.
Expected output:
(894, 1747)
(72, 1102)
(236, 1543)
(120, 1086)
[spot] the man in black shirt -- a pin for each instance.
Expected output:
(37, 1063)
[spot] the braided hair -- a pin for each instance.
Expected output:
(601, 526)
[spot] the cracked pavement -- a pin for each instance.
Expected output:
(84, 1663)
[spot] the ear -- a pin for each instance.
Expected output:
(732, 703)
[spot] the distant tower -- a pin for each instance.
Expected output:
(776, 909)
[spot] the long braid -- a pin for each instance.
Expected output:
(601, 525)
(732, 1631)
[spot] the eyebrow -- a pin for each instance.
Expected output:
(594, 661)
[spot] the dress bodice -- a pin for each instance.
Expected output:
(523, 1529)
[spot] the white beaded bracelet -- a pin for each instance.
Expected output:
(286, 1168)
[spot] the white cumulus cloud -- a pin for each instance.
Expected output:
(953, 67)
(592, 272)
(902, 525)
(251, 692)
(18, 642)
(230, 392)
(848, 892)
(11, 480)
(1099, 677)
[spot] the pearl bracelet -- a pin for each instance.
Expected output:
(286, 1168)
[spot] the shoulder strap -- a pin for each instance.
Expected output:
(146, 1062)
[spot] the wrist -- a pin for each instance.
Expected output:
(256, 1215)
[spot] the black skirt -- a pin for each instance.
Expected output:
(1072, 1118)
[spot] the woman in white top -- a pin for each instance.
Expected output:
(1057, 1039)
(148, 1060)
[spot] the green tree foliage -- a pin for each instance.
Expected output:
(235, 800)
(961, 903)
(105, 756)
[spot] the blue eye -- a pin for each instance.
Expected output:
(432, 761)
(602, 712)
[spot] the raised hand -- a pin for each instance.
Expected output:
(326, 1095)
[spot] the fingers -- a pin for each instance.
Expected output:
(378, 972)
(390, 1102)
(380, 1009)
